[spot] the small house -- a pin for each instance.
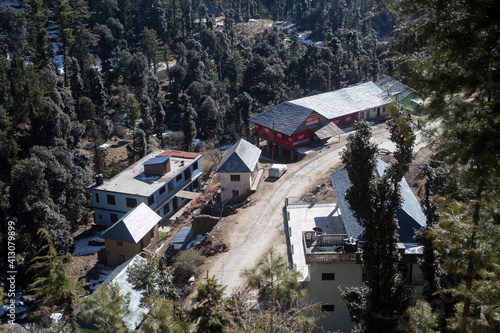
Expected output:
(130, 235)
(238, 171)
(401, 93)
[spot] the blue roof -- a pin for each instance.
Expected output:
(410, 216)
(156, 160)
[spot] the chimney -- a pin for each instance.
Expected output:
(99, 180)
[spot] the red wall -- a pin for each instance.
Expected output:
(304, 137)
(346, 120)
(299, 139)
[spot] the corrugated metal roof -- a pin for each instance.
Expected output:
(410, 216)
(394, 88)
(290, 115)
(133, 226)
(120, 277)
(181, 236)
(241, 157)
(285, 117)
(326, 130)
(156, 160)
(178, 153)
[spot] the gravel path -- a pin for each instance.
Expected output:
(253, 230)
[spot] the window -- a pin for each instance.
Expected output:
(162, 190)
(97, 197)
(285, 137)
(151, 200)
(235, 178)
(111, 199)
(235, 193)
(121, 259)
(113, 218)
(195, 166)
(131, 202)
(328, 276)
(118, 243)
(100, 217)
(328, 307)
(166, 209)
(179, 177)
(362, 115)
(152, 233)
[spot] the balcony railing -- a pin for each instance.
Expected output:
(329, 248)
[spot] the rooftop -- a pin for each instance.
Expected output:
(133, 180)
(241, 157)
(410, 216)
(394, 87)
(288, 116)
(120, 278)
(133, 226)
(306, 213)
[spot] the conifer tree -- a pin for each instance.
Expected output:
(107, 308)
(373, 202)
(50, 280)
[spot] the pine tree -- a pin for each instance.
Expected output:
(50, 280)
(373, 202)
(209, 307)
(107, 308)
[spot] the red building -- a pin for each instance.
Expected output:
(296, 123)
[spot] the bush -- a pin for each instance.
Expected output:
(186, 264)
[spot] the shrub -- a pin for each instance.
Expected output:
(186, 264)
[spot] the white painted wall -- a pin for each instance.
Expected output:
(228, 186)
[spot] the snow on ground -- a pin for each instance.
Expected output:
(103, 275)
(82, 247)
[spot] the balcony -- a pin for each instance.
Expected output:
(330, 248)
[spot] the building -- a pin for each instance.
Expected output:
(324, 243)
(130, 235)
(119, 277)
(163, 180)
(239, 171)
(211, 14)
(318, 116)
(401, 93)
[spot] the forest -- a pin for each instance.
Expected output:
(86, 71)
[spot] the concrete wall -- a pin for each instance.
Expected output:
(243, 186)
(128, 250)
(327, 292)
(203, 224)
(103, 210)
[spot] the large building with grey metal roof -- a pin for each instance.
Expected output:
(296, 123)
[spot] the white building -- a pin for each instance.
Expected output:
(238, 170)
(317, 229)
(162, 180)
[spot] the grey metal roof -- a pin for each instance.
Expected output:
(120, 277)
(394, 87)
(333, 104)
(409, 215)
(181, 236)
(241, 157)
(285, 117)
(133, 226)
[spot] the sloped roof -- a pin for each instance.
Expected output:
(409, 215)
(394, 87)
(133, 226)
(289, 115)
(241, 157)
(285, 117)
(326, 130)
(120, 277)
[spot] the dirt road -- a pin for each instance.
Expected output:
(255, 229)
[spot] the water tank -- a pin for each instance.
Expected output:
(99, 180)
